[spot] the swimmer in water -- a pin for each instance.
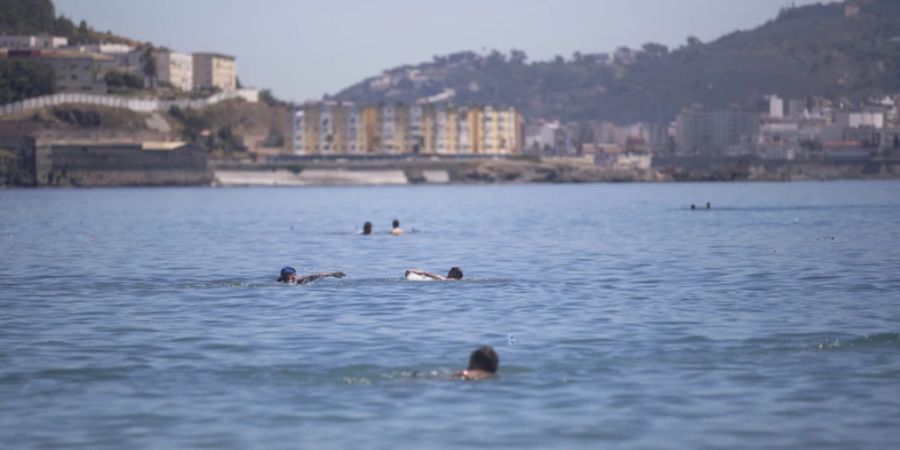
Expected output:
(483, 364)
(289, 275)
(367, 229)
(455, 273)
(395, 228)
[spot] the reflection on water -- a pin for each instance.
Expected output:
(152, 318)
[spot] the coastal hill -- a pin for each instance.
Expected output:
(227, 128)
(816, 50)
(39, 17)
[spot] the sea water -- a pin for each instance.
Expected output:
(150, 318)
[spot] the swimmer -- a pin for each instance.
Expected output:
(367, 229)
(708, 205)
(395, 228)
(483, 364)
(289, 275)
(455, 273)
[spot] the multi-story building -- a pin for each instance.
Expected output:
(335, 128)
(32, 42)
(74, 71)
(176, 69)
(499, 129)
(706, 132)
(214, 70)
(546, 137)
(856, 119)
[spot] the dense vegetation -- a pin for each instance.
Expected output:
(807, 51)
(39, 17)
(122, 82)
(24, 79)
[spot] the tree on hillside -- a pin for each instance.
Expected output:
(655, 50)
(122, 81)
(21, 79)
(518, 56)
(148, 66)
(26, 16)
(65, 28)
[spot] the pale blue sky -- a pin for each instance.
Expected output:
(302, 49)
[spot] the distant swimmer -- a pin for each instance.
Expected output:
(693, 207)
(395, 228)
(367, 228)
(708, 205)
(455, 273)
(289, 275)
(483, 364)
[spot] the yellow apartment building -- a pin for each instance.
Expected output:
(343, 128)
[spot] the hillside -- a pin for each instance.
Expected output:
(812, 50)
(39, 17)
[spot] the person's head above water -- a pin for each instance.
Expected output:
(396, 224)
(455, 273)
(286, 273)
(484, 359)
(367, 228)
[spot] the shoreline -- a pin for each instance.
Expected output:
(468, 175)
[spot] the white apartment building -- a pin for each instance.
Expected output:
(546, 137)
(847, 119)
(776, 107)
(175, 68)
(32, 42)
(214, 70)
(106, 48)
(299, 132)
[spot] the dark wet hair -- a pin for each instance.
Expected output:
(485, 358)
(455, 273)
(367, 228)
(396, 223)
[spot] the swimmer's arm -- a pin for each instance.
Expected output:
(314, 277)
(425, 274)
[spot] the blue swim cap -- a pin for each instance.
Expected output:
(288, 271)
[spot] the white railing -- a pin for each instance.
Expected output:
(134, 104)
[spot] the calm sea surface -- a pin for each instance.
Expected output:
(150, 318)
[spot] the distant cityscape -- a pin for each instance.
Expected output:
(442, 121)
(779, 129)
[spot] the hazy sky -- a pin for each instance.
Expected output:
(302, 49)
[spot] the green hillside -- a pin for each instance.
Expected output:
(39, 17)
(806, 51)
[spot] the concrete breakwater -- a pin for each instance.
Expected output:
(325, 177)
(349, 174)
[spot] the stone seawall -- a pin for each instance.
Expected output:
(118, 178)
(74, 163)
